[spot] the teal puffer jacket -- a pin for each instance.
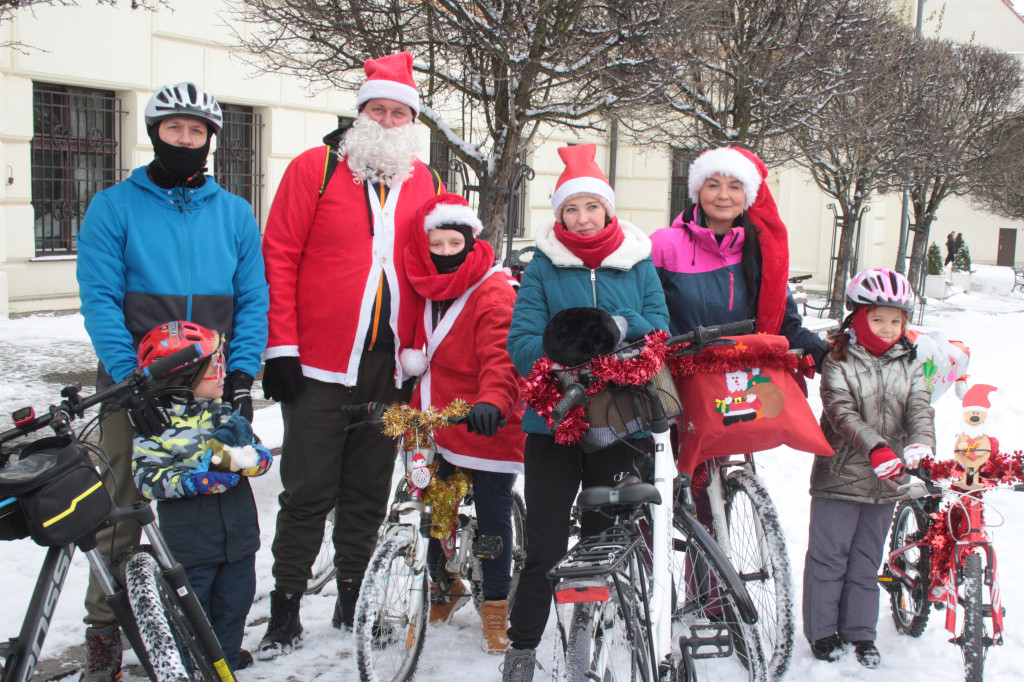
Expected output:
(626, 283)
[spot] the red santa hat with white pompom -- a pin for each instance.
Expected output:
(977, 397)
(390, 77)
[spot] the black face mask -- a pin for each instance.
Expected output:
(176, 166)
(448, 264)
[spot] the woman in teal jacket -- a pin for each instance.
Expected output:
(587, 258)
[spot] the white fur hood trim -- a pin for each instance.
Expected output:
(634, 248)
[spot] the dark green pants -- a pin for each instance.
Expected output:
(325, 467)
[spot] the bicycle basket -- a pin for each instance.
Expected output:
(619, 411)
(59, 491)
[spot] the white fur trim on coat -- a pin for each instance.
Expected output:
(730, 163)
(634, 248)
(452, 214)
(414, 361)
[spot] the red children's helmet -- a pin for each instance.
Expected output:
(171, 337)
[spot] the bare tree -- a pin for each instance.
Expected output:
(511, 65)
(963, 99)
(754, 73)
(855, 143)
(997, 184)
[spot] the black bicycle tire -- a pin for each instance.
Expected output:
(780, 632)
(163, 626)
(587, 636)
(700, 547)
(582, 635)
(909, 612)
(972, 639)
(323, 569)
(368, 607)
(518, 555)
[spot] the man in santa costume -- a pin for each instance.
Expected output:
(341, 307)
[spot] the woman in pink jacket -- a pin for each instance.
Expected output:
(460, 351)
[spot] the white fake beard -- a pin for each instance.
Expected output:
(379, 154)
(975, 431)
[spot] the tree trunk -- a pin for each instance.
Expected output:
(918, 254)
(843, 261)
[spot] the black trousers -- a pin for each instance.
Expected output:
(553, 475)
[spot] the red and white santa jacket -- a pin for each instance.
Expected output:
(324, 259)
(468, 359)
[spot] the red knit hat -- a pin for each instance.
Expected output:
(976, 397)
(449, 211)
(582, 176)
(774, 239)
(390, 77)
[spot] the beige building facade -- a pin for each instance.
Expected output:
(74, 82)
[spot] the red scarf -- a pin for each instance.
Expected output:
(866, 337)
(594, 249)
(429, 284)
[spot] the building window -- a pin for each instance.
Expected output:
(345, 121)
(75, 154)
(238, 160)
(679, 192)
(440, 161)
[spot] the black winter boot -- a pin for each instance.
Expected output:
(345, 606)
(284, 629)
(102, 654)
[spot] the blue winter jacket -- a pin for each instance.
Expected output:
(625, 284)
(148, 255)
(705, 285)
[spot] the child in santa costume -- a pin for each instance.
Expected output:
(459, 351)
(588, 258)
(877, 416)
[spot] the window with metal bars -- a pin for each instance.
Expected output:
(238, 159)
(75, 154)
(440, 161)
(679, 192)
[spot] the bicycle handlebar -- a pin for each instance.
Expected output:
(132, 384)
(375, 410)
(702, 335)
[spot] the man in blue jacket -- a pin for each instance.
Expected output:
(166, 244)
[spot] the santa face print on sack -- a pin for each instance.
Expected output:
(751, 395)
(974, 447)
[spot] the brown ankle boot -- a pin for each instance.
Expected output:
(441, 608)
(494, 618)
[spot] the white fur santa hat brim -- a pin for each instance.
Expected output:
(729, 162)
(582, 176)
(390, 77)
(450, 211)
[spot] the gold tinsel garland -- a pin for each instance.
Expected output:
(417, 428)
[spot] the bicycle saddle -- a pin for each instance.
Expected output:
(630, 490)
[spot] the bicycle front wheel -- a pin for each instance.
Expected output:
(606, 639)
(762, 561)
(910, 607)
(974, 640)
(172, 645)
(323, 567)
(391, 614)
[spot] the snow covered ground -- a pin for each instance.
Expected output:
(989, 319)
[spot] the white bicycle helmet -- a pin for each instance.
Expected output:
(184, 99)
(882, 287)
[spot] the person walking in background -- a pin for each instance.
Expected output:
(341, 307)
(877, 416)
(168, 243)
(587, 258)
(464, 331)
(951, 248)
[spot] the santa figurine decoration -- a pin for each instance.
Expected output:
(974, 446)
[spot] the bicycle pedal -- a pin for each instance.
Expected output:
(488, 547)
(708, 641)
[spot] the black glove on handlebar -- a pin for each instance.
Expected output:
(238, 391)
(483, 419)
(282, 379)
(146, 413)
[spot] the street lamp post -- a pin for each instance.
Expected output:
(901, 252)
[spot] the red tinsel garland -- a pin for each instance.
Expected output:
(543, 390)
(723, 359)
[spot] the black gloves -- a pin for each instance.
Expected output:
(146, 413)
(238, 390)
(282, 379)
(483, 419)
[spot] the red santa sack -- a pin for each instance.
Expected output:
(742, 398)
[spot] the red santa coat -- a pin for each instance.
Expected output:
(469, 360)
(324, 259)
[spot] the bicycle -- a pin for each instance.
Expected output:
(656, 575)
(54, 493)
(394, 603)
(915, 579)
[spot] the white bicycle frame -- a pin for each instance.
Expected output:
(661, 531)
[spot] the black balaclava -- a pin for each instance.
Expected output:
(449, 264)
(177, 166)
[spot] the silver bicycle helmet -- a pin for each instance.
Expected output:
(184, 99)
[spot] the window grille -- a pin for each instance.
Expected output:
(238, 159)
(517, 211)
(75, 154)
(440, 161)
(679, 192)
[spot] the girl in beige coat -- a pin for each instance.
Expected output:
(876, 414)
